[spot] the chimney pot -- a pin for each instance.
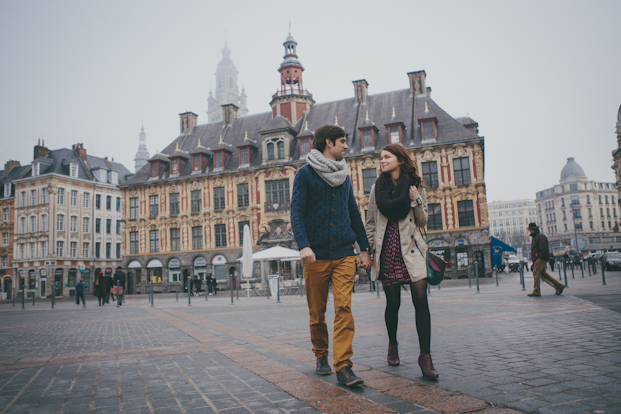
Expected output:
(40, 151)
(79, 148)
(428, 91)
(188, 121)
(229, 113)
(417, 82)
(360, 90)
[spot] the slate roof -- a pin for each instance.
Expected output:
(58, 161)
(348, 114)
(14, 174)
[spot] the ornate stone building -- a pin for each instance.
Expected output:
(187, 208)
(12, 171)
(68, 219)
(227, 90)
(579, 209)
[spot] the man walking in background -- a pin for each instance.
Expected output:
(540, 253)
(326, 223)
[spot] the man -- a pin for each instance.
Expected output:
(79, 292)
(197, 285)
(120, 276)
(326, 223)
(540, 254)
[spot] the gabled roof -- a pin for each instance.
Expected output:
(345, 113)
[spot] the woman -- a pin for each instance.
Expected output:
(396, 213)
(101, 288)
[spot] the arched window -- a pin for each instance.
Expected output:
(270, 150)
(281, 150)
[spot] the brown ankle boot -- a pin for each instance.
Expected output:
(426, 366)
(393, 354)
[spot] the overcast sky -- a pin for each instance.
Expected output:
(542, 78)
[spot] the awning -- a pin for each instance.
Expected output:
(134, 265)
(154, 264)
(496, 249)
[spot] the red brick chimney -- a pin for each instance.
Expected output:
(40, 151)
(188, 121)
(79, 148)
(229, 112)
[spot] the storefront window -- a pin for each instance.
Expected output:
(462, 259)
(200, 267)
(72, 275)
(154, 275)
(174, 271)
(32, 279)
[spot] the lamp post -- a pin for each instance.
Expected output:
(575, 210)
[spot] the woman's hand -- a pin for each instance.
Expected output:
(414, 194)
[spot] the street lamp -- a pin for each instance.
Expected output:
(573, 213)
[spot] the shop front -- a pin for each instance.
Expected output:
(219, 269)
(200, 268)
(154, 272)
(134, 275)
(174, 271)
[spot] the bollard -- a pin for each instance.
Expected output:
(237, 284)
(83, 299)
(572, 271)
(582, 268)
(151, 293)
(496, 275)
(589, 266)
(13, 296)
(558, 266)
(53, 294)
(23, 295)
(118, 297)
(565, 273)
(522, 277)
(189, 292)
(177, 291)
(231, 288)
(476, 275)
(206, 293)
(594, 267)
(603, 272)
(33, 297)
(278, 290)
(469, 280)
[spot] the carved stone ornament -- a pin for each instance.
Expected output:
(428, 155)
(133, 191)
(152, 190)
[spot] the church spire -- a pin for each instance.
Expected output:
(142, 155)
(227, 90)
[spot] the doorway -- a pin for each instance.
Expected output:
(480, 262)
(8, 288)
(186, 275)
(42, 288)
(58, 282)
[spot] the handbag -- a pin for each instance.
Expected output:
(435, 269)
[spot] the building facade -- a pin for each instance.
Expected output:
(186, 209)
(577, 209)
(508, 221)
(12, 171)
(227, 89)
(68, 220)
(616, 156)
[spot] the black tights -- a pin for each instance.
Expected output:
(423, 318)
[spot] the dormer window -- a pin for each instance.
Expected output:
(7, 190)
(244, 157)
(428, 128)
(275, 149)
(196, 162)
(270, 151)
(154, 169)
(368, 138)
(73, 170)
(174, 166)
(305, 146)
(218, 160)
(394, 134)
(35, 169)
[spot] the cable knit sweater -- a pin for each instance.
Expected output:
(324, 218)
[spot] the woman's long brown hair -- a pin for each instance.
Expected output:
(408, 167)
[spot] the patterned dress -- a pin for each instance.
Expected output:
(392, 267)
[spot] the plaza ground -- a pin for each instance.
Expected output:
(497, 351)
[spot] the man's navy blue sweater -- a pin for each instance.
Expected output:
(325, 218)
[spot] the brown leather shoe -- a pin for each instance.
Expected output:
(534, 294)
(426, 366)
(559, 291)
(393, 354)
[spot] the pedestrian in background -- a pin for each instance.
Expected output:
(119, 276)
(197, 285)
(79, 292)
(214, 284)
(109, 281)
(551, 261)
(540, 253)
(101, 288)
(397, 211)
(326, 223)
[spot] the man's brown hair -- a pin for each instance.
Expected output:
(324, 132)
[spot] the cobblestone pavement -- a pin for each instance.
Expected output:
(497, 351)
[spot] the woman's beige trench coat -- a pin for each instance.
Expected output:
(413, 247)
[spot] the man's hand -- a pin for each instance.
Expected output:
(364, 260)
(307, 255)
